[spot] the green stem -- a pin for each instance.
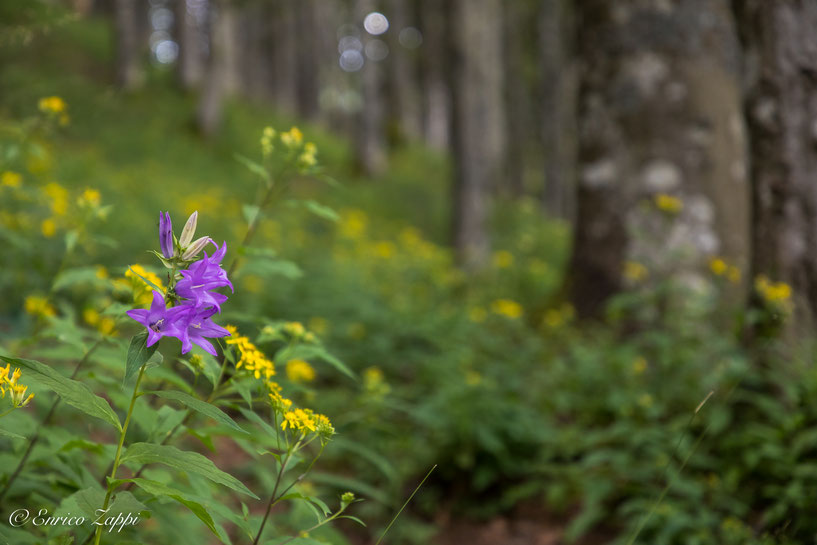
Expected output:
(7, 412)
(272, 499)
(405, 504)
(119, 450)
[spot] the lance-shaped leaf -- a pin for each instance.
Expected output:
(191, 462)
(207, 409)
(74, 393)
(138, 354)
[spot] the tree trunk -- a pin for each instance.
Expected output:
(371, 143)
(129, 72)
(558, 88)
(402, 61)
(479, 122)
(219, 77)
(434, 68)
(192, 56)
(659, 113)
(781, 109)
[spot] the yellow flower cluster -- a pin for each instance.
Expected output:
(502, 259)
(59, 198)
(635, 271)
(293, 137)
(374, 382)
(142, 291)
(720, 267)
(9, 381)
(300, 371)
(306, 421)
(508, 308)
(308, 158)
(772, 292)
(37, 305)
(10, 179)
(266, 140)
(90, 198)
(104, 324)
(668, 203)
(250, 358)
(53, 105)
(279, 402)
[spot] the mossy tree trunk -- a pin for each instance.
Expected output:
(780, 40)
(659, 113)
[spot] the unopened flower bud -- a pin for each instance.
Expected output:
(189, 230)
(166, 235)
(194, 248)
(347, 498)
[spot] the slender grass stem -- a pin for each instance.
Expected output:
(405, 504)
(118, 454)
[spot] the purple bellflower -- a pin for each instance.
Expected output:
(159, 320)
(190, 320)
(166, 235)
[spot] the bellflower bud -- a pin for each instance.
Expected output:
(189, 230)
(166, 235)
(194, 248)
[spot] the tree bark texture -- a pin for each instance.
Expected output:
(129, 45)
(659, 113)
(479, 122)
(781, 109)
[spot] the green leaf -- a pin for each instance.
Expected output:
(251, 415)
(138, 355)
(199, 406)
(250, 213)
(6, 433)
(74, 393)
(269, 267)
(146, 281)
(158, 489)
(191, 462)
(307, 352)
(253, 167)
(321, 210)
(350, 517)
(78, 276)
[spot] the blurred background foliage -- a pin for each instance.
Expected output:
(559, 405)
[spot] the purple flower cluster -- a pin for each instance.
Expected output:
(190, 320)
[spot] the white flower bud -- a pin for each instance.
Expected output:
(189, 230)
(194, 248)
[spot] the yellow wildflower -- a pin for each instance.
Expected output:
(52, 105)
(668, 203)
(645, 400)
(89, 198)
(503, 259)
(299, 419)
(142, 291)
(300, 371)
(91, 316)
(250, 358)
(772, 292)
(295, 329)
(48, 227)
(472, 378)
(266, 140)
(307, 158)
(639, 365)
(635, 271)
(39, 306)
(101, 272)
(733, 274)
(292, 138)
(508, 308)
(10, 179)
(59, 198)
(374, 382)
(18, 391)
(718, 266)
